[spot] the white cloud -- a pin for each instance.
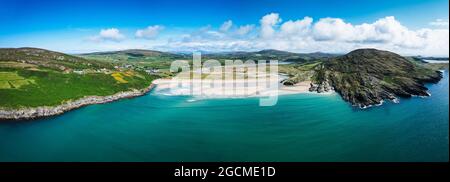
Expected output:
(439, 23)
(386, 31)
(332, 29)
(111, 34)
(267, 24)
(296, 27)
(332, 35)
(244, 29)
(226, 26)
(150, 32)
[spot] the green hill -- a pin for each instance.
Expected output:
(367, 76)
(137, 57)
(31, 77)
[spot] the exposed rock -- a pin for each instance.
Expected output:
(320, 87)
(289, 82)
(366, 77)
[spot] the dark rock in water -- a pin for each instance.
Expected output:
(365, 77)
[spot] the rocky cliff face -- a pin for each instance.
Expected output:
(320, 87)
(366, 77)
(44, 111)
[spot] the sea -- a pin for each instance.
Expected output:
(300, 127)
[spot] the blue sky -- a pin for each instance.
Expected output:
(76, 26)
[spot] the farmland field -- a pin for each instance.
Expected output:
(12, 80)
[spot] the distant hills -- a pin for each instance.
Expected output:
(46, 58)
(139, 55)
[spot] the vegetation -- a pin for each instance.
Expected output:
(367, 76)
(34, 77)
(31, 77)
(137, 58)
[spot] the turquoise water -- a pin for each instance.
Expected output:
(303, 127)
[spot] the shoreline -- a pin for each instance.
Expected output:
(227, 90)
(47, 111)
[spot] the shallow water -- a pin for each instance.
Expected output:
(302, 127)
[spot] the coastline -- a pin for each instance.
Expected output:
(165, 87)
(240, 90)
(46, 111)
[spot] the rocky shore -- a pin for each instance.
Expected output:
(320, 87)
(366, 77)
(45, 111)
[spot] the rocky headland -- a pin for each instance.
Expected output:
(366, 77)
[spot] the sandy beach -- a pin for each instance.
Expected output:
(227, 88)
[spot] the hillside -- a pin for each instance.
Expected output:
(137, 57)
(270, 54)
(365, 77)
(48, 59)
(162, 60)
(31, 77)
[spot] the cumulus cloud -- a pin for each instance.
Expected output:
(111, 34)
(385, 30)
(267, 24)
(333, 35)
(332, 29)
(226, 26)
(296, 27)
(150, 32)
(439, 23)
(245, 29)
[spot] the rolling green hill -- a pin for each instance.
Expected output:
(136, 57)
(31, 77)
(162, 60)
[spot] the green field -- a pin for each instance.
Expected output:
(11, 80)
(32, 88)
(31, 77)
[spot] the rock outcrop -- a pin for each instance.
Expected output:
(366, 77)
(45, 111)
(320, 87)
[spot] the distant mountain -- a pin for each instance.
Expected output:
(154, 59)
(432, 58)
(133, 55)
(131, 52)
(271, 54)
(47, 58)
(159, 59)
(365, 77)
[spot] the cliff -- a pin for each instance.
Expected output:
(366, 77)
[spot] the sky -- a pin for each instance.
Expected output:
(408, 27)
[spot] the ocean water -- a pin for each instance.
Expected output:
(302, 127)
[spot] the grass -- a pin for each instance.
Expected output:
(51, 88)
(12, 80)
(119, 77)
(4, 85)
